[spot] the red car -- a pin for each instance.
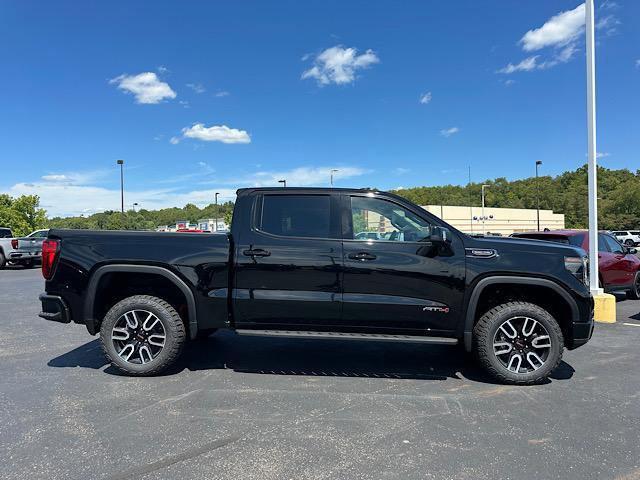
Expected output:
(619, 265)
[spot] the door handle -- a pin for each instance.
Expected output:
(256, 252)
(362, 256)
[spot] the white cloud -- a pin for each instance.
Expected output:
(221, 93)
(447, 132)
(425, 98)
(638, 63)
(401, 170)
(602, 154)
(559, 30)
(562, 34)
(526, 65)
(146, 87)
(197, 87)
(65, 195)
(302, 176)
(214, 133)
(339, 65)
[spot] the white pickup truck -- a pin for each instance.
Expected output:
(23, 251)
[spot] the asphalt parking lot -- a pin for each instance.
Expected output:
(260, 408)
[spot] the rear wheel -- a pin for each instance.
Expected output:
(142, 335)
(629, 243)
(634, 293)
(3, 261)
(518, 343)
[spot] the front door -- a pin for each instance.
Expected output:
(395, 279)
(289, 263)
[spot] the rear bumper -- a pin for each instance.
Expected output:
(54, 309)
(18, 255)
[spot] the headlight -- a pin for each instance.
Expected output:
(579, 268)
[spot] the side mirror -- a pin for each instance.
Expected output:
(440, 235)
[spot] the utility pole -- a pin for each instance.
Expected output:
(484, 230)
(538, 163)
(591, 147)
(121, 163)
(216, 195)
(333, 170)
(470, 201)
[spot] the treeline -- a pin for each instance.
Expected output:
(22, 215)
(143, 219)
(618, 193)
(618, 205)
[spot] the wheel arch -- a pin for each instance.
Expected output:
(92, 323)
(481, 286)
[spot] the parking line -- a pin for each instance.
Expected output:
(632, 324)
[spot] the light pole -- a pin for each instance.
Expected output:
(121, 163)
(134, 206)
(332, 171)
(591, 147)
(538, 163)
(283, 182)
(484, 232)
(216, 195)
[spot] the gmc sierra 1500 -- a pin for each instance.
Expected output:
(295, 264)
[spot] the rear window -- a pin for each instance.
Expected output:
(635, 232)
(296, 215)
(5, 233)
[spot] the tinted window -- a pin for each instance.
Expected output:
(576, 240)
(5, 233)
(614, 246)
(380, 220)
(602, 244)
(296, 215)
(635, 232)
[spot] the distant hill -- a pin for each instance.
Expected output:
(618, 192)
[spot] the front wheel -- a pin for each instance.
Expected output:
(518, 343)
(634, 293)
(142, 335)
(629, 243)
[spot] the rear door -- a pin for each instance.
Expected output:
(398, 281)
(289, 262)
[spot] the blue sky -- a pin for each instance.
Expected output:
(199, 97)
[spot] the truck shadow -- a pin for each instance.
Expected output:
(336, 358)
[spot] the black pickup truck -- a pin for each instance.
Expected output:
(322, 263)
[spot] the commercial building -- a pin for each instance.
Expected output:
(503, 221)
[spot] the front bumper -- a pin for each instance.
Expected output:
(581, 332)
(54, 309)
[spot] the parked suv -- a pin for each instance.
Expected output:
(618, 264)
(293, 266)
(628, 237)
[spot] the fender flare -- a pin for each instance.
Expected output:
(89, 302)
(482, 284)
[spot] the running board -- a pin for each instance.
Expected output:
(347, 336)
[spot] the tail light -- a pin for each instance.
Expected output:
(50, 250)
(14, 243)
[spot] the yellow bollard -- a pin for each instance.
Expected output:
(604, 308)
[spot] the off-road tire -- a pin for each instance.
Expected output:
(629, 243)
(485, 330)
(173, 326)
(3, 261)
